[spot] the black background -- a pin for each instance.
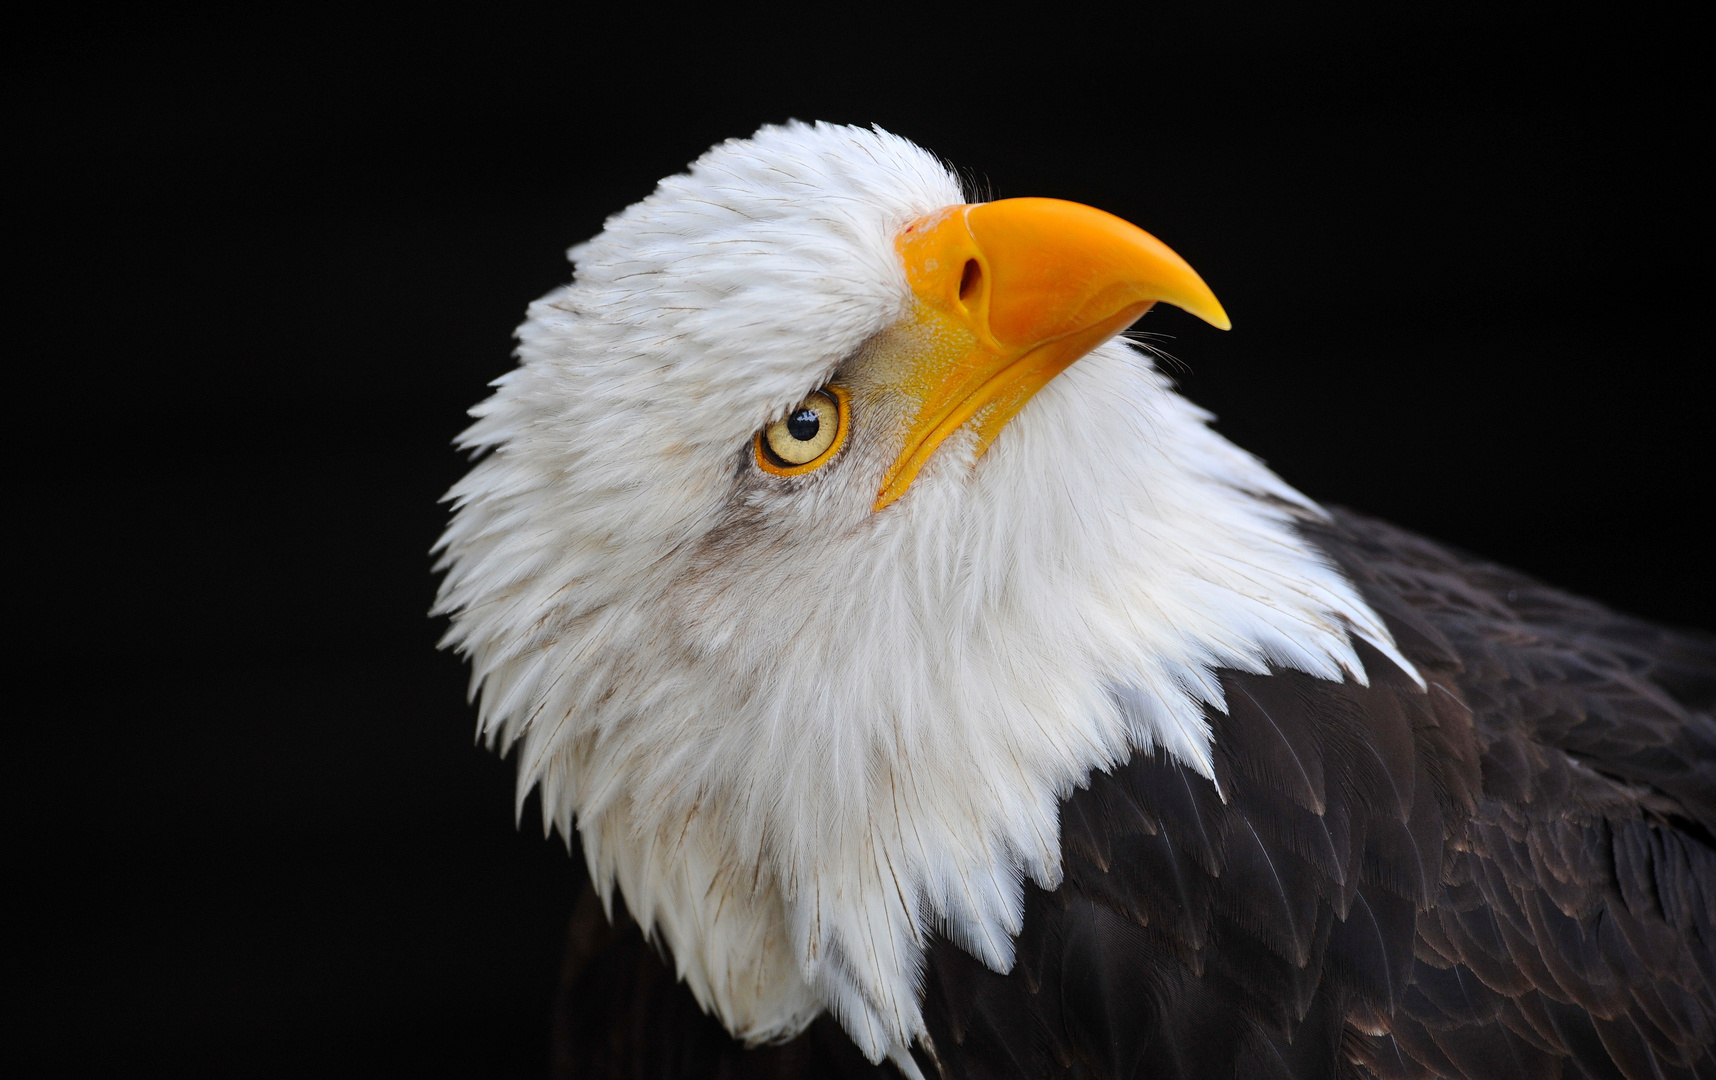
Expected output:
(269, 266)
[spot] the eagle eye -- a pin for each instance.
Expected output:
(807, 437)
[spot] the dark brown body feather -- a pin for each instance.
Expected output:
(1509, 876)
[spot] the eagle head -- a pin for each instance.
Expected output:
(825, 536)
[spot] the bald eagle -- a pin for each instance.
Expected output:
(929, 690)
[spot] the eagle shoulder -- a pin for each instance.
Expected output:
(1509, 874)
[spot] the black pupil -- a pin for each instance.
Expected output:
(804, 424)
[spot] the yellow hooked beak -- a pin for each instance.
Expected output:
(1010, 293)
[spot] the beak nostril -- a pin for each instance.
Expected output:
(970, 279)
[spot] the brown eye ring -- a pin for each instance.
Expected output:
(808, 437)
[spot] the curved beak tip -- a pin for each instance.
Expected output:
(1196, 299)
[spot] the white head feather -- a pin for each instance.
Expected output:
(801, 735)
